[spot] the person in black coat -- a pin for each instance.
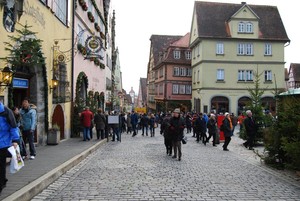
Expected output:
(212, 129)
(251, 129)
(177, 125)
(164, 130)
(200, 126)
(227, 131)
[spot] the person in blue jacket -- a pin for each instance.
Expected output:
(9, 136)
(28, 125)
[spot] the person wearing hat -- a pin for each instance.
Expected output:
(177, 126)
(251, 129)
(227, 130)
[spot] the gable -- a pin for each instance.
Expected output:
(194, 29)
(213, 18)
(245, 13)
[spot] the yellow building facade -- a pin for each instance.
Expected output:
(229, 49)
(51, 22)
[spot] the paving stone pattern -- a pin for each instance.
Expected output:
(139, 169)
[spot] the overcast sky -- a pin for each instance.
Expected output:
(137, 20)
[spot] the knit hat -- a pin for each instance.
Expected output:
(226, 113)
(177, 110)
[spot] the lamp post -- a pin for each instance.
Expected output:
(7, 75)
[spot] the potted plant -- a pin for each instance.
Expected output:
(53, 136)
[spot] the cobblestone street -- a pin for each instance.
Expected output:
(139, 169)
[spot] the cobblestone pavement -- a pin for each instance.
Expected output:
(139, 169)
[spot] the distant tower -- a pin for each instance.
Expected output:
(132, 94)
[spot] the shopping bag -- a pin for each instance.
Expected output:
(184, 140)
(16, 162)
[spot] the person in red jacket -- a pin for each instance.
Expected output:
(86, 120)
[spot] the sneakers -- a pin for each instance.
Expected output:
(32, 157)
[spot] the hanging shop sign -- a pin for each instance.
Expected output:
(93, 45)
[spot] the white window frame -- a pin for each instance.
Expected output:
(249, 27)
(175, 89)
(176, 54)
(245, 75)
(189, 72)
(176, 71)
(80, 35)
(220, 75)
(219, 48)
(268, 49)
(241, 27)
(268, 75)
(249, 75)
(245, 49)
(182, 72)
(181, 89)
(188, 55)
(188, 89)
(61, 10)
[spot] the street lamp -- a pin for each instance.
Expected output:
(54, 83)
(6, 76)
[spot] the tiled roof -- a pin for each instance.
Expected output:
(160, 43)
(295, 67)
(212, 20)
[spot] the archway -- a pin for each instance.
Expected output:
(242, 103)
(220, 104)
(58, 118)
(269, 104)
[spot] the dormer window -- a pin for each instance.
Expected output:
(176, 54)
(245, 27)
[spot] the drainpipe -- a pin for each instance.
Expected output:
(72, 68)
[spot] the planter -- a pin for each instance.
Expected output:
(53, 137)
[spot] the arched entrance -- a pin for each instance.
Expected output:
(269, 104)
(220, 104)
(242, 103)
(58, 118)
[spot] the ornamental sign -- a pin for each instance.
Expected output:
(93, 45)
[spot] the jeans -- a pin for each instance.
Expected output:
(143, 129)
(86, 133)
(116, 132)
(29, 137)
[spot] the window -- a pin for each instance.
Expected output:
(175, 88)
(161, 89)
(156, 74)
(268, 75)
(198, 76)
(176, 54)
(161, 72)
(176, 71)
(80, 35)
(249, 27)
(220, 74)
(182, 71)
(60, 10)
(245, 75)
(245, 27)
(194, 78)
(245, 49)
(241, 28)
(188, 89)
(249, 49)
(181, 89)
(220, 48)
(188, 55)
(268, 49)
(189, 72)
(198, 50)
